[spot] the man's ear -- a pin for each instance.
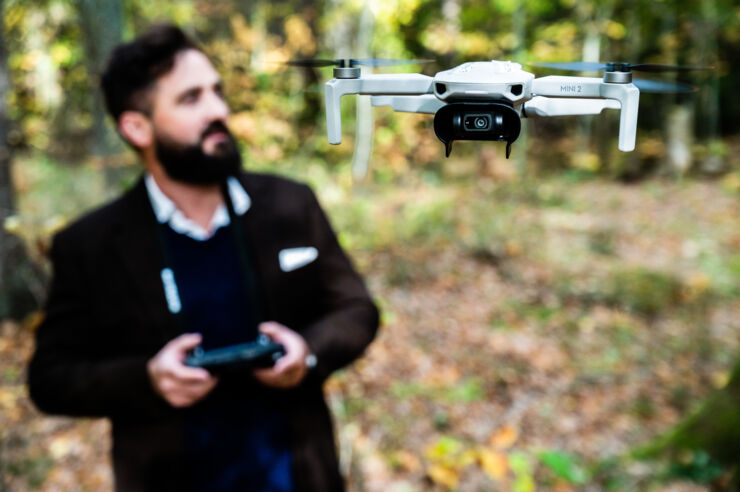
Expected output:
(136, 128)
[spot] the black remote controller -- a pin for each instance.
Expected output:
(258, 354)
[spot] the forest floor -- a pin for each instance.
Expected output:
(532, 336)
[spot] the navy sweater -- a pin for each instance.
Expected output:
(231, 449)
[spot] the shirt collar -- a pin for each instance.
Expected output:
(167, 212)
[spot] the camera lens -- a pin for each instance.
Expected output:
(467, 120)
(477, 122)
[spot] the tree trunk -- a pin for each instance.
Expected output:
(706, 45)
(258, 23)
(101, 27)
(519, 28)
(592, 16)
(312, 101)
(714, 428)
(18, 275)
(680, 133)
(365, 122)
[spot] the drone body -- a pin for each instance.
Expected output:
(484, 81)
(486, 100)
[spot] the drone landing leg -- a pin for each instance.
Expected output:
(448, 148)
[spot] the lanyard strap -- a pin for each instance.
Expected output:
(245, 258)
(169, 282)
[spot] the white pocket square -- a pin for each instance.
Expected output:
(294, 258)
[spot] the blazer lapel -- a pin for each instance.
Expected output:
(255, 223)
(139, 252)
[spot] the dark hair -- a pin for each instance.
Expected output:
(134, 67)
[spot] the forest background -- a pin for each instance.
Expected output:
(562, 320)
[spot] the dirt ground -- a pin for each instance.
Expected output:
(514, 362)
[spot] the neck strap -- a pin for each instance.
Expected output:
(169, 279)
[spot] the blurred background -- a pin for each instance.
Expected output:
(566, 319)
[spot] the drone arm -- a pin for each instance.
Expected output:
(549, 106)
(426, 103)
(629, 97)
(589, 87)
(368, 84)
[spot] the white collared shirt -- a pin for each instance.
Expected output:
(167, 212)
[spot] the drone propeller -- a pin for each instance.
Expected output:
(618, 67)
(656, 86)
(313, 62)
(352, 62)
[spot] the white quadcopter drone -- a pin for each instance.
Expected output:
(486, 100)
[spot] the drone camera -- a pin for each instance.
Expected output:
(480, 122)
(477, 121)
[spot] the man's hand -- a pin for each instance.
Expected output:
(178, 384)
(291, 368)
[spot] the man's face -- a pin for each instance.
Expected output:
(189, 117)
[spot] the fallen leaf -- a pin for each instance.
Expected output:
(505, 437)
(444, 476)
(8, 398)
(494, 464)
(60, 447)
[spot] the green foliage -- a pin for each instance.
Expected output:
(521, 465)
(33, 469)
(642, 291)
(565, 466)
(602, 242)
(700, 468)
(466, 391)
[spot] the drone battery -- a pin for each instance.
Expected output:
(477, 121)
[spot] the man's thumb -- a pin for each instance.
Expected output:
(187, 341)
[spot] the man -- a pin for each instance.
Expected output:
(198, 253)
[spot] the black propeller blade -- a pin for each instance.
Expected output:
(313, 62)
(657, 67)
(384, 62)
(618, 67)
(657, 86)
(352, 62)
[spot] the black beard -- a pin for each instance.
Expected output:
(189, 164)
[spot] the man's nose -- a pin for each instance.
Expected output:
(216, 107)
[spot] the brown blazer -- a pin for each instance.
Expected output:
(106, 315)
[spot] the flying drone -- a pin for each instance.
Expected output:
(486, 100)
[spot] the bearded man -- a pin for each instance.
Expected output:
(198, 254)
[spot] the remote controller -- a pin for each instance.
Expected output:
(258, 354)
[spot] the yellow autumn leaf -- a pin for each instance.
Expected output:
(12, 224)
(444, 449)
(52, 225)
(494, 464)
(466, 458)
(444, 476)
(504, 437)
(60, 447)
(8, 398)
(299, 35)
(719, 379)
